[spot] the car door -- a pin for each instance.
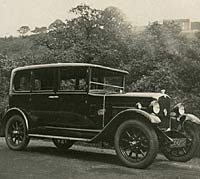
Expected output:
(44, 101)
(73, 97)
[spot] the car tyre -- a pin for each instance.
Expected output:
(136, 144)
(184, 154)
(16, 133)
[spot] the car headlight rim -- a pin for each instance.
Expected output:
(155, 107)
(179, 109)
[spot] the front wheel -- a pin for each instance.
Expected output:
(185, 144)
(63, 144)
(136, 144)
(16, 133)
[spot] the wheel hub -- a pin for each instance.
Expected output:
(133, 143)
(16, 132)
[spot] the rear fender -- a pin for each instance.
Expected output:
(135, 114)
(10, 112)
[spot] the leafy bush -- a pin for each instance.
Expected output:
(159, 57)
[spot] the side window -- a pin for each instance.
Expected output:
(21, 81)
(68, 84)
(43, 79)
(72, 79)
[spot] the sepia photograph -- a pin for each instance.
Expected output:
(94, 89)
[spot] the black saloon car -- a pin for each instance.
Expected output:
(69, 102)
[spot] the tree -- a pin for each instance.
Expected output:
(23, 30)
(57, 24)
(38, 30)
(97, 35)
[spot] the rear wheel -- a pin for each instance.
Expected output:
(63, 144)
(16, 133)
(136, 144)
(185, 150)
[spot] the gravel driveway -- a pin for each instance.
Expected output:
(42, 160)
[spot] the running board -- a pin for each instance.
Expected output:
(58, 137)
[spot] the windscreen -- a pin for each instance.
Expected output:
(103, 80)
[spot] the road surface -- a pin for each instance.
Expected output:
(42, 160)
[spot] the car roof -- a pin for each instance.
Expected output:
(68, 65)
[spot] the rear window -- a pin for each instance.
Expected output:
(43, 79)
(21, 81)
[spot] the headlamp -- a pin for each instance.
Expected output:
(155, 107)
(179, 109)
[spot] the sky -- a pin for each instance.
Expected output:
(37, 13)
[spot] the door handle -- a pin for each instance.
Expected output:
(53, 97)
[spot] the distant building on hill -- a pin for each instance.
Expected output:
(195, 25)
(188, 28)
(185, 24)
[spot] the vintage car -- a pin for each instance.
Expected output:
(69, 102)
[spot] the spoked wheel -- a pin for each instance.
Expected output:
(16, 133)
(136, 144)
(185, 145)
(63, 144)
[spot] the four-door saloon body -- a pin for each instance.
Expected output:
(70, 102)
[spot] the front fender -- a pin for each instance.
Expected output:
(135, 114)
(192, 118)
(151, 117)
